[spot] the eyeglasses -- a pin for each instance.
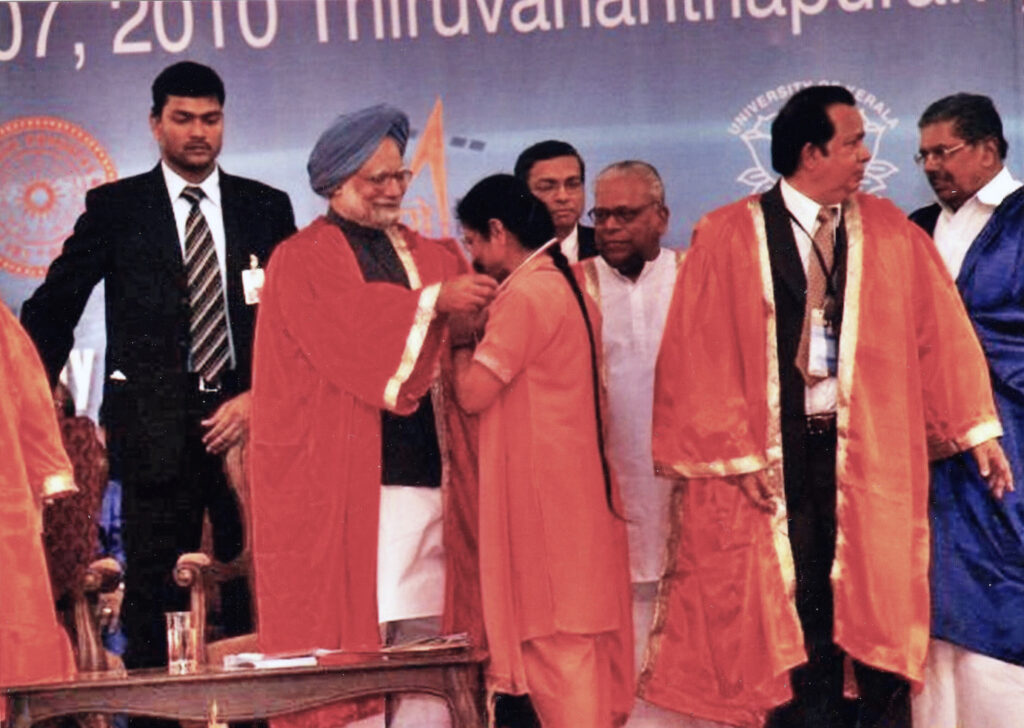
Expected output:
(623, 215)
(402, 177)
(939, 154)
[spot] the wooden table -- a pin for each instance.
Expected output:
(257, 693)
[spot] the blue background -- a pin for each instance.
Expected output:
(663, 92)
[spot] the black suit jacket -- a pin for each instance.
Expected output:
(585, 238)
(127, 238)
(927, 217)
(789, 283)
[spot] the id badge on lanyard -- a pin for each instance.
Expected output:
(823, 360)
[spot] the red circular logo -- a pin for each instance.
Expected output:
(46, 166)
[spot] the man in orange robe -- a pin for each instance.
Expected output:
(35, 469)
(553, 556)
(350, 341)
(803, 523)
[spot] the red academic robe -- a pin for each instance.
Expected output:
(33, 646)
(332, 351)
(912, 385)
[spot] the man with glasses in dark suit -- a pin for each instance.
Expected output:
(555, 173)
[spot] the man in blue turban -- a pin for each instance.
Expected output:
(356, 442)
(350, 141)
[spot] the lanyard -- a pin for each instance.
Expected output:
(830, 304)
(830, 273)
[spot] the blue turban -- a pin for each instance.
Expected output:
(350, 141)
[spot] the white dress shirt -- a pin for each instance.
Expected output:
(633, 314)
(570, 246)
(821, 398)
(955, 231)
(211, 208)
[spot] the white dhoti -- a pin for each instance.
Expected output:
(410, 591)
(964, 689)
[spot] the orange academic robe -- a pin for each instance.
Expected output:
(33, 646)
(553, 558)
(331, 352)
(912, 385)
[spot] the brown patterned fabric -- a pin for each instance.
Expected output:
(70, 525)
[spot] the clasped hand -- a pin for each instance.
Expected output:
(466, 294)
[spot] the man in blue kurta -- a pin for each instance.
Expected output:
(975, 669)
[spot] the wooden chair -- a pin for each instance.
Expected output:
(85, 588)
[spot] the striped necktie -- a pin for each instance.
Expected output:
(208, 325)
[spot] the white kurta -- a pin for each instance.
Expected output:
(634, 318)
(633, 314)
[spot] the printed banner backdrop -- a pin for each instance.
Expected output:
(689, 85)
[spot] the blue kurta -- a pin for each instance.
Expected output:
(977, 572)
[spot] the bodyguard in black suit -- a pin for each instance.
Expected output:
(555, 173)
(179, 339)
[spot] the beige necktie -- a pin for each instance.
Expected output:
(825, 242)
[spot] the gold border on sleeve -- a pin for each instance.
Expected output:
(421, 321)
(57, 485)
(413, 343)
(978, 434)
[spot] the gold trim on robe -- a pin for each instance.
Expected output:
(58, 485)
(657, 630)
(979, 433)
(402, 249)
(773, 432)
(421, 321)
(851, 220)
(591, 282)
(720, 468)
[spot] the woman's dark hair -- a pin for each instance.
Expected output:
(506, 198)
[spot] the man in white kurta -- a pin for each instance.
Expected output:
(632, 281)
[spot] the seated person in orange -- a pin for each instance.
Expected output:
(553, 556)
(34, 470)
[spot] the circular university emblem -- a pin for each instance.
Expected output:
(752, 125)
(46, 166)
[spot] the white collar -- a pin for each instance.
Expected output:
(646, 272)
(997, 189)
(176, 183)
(803, 208)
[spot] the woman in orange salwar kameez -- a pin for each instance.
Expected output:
(553, 559)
